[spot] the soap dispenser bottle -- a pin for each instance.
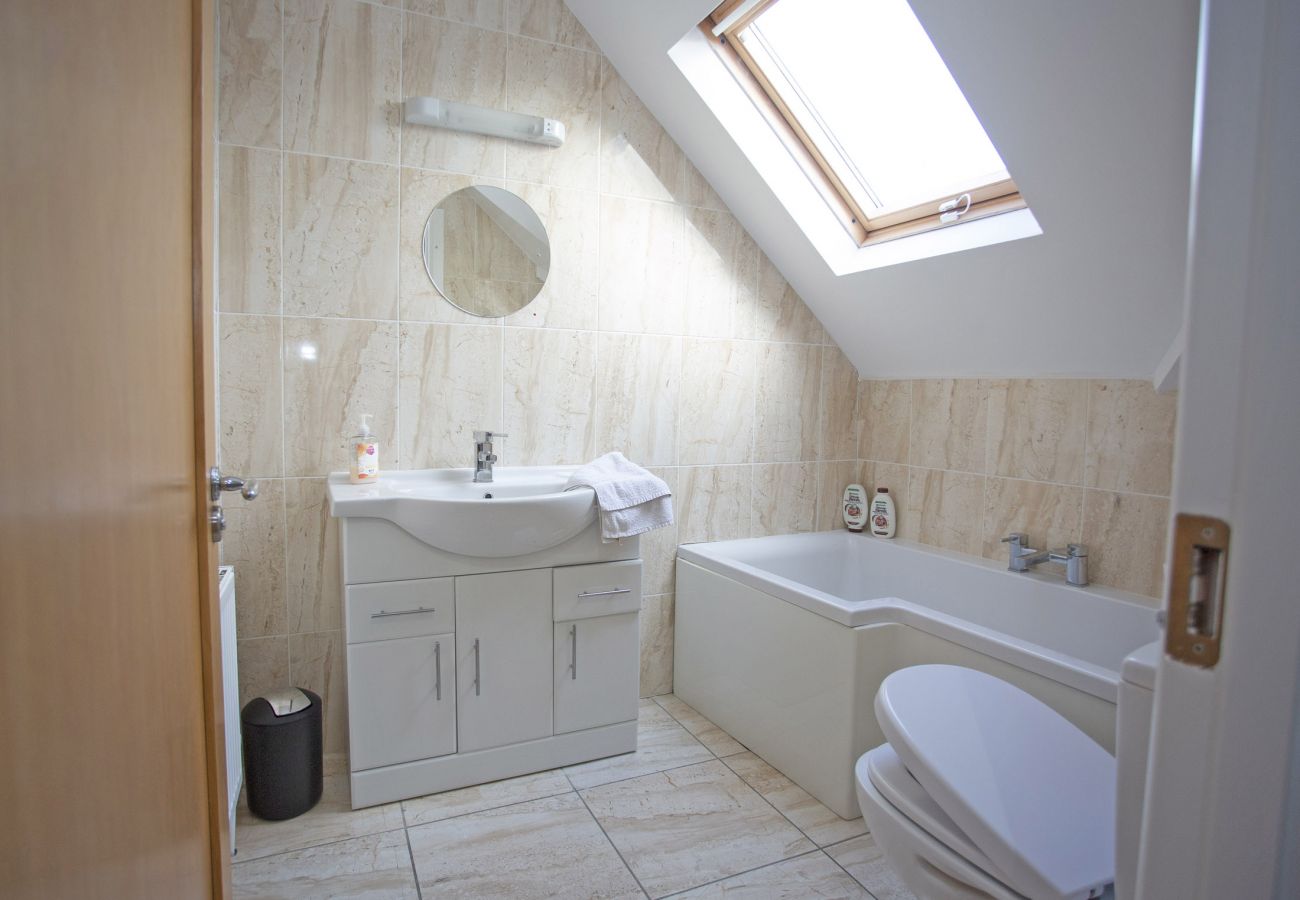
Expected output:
(363, 461)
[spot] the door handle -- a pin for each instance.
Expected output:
(477, 685)
(605, 593)
(573, 658)
(217, 483)
(437, 668)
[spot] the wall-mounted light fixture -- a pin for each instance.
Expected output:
(438, 113)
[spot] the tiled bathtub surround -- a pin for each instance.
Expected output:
(1065, 460)
(662, 331)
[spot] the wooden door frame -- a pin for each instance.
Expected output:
(203, 211)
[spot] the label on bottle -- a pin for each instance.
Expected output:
(855, 507)
(365, 462)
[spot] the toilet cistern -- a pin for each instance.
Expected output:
(1022, 558)
(483, 455)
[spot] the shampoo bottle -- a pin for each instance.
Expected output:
(363, 461)
(855, 507)
(883, 519)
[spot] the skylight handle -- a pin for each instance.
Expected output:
(948, 209)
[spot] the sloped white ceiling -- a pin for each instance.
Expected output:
(1090, 105)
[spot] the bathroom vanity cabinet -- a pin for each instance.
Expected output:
(458, 675)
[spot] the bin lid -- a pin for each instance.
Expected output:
(278, 704)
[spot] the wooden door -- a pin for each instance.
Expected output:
(503, 658)
(110, 741)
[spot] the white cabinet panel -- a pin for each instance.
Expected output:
(398, 609)
(597, 669)
(401, 700)
(504, 656)
(584, 592)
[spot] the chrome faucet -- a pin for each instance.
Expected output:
(483, 455)
(1023, 558)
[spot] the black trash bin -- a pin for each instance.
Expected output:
(283, 768)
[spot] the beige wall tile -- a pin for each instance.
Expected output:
(1051, 514)
(640, 266)
(340, 238)
(569, 297)
(1130, 437)
(714, 503)
(316, 662)
(342, 65)
(780, 314)
(550, 393)
(715, 409)
(784, 499)
(949, 426)
(944, 509)
(248, 270)
(254, 543)
(787, 411)
(483, 13)
(696, 190)
(721, 266)
(263, 666)
(547, 20)
(637, 157)
(1036, 428)
(832, 479)
(896, 478)
(249, 66)
(637, 381)
(657, 622)
(562, 83)
(839, 398)
(451, 386)
(885, 412)
(659, 547)
(454, 62)
(1125, 534)
(333, 372)
(419, 300)
(251, 433)
(313, 594)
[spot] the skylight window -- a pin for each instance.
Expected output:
(864, 100)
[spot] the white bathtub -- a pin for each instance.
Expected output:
(783, 641)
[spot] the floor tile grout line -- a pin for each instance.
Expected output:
(767, 865)
(844, 869)
(485, 809)
(612, 845)
(410, 852)
(330, 843)
(763, 796)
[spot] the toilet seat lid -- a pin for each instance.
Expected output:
(1031, 791)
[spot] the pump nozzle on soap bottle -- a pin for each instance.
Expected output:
(363, 460)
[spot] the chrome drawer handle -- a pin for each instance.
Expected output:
(605, 593)
(383, 614)
(437, 668)
(573, 665)
(477, 685)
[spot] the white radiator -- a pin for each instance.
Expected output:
(230, 693)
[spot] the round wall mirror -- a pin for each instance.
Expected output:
(486, 251)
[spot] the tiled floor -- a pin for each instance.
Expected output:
(692, 814)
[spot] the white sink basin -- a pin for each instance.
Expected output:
(523, 510)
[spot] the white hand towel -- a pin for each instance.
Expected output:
(631, 500)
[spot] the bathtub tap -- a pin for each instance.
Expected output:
(1023, 558)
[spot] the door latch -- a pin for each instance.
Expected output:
(1197, 578)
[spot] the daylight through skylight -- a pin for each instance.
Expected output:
(866, 92)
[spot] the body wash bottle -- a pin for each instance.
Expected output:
(883, 520)
(363, 460)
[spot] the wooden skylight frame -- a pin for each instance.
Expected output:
(986, 200)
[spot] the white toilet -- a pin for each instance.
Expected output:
(984, 791)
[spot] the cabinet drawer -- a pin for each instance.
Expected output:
(604, 589)
(398, 609)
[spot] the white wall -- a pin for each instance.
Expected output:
(1090, 106)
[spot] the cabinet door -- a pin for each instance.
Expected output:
(401, 700)
(503, 658)
(597, 670)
